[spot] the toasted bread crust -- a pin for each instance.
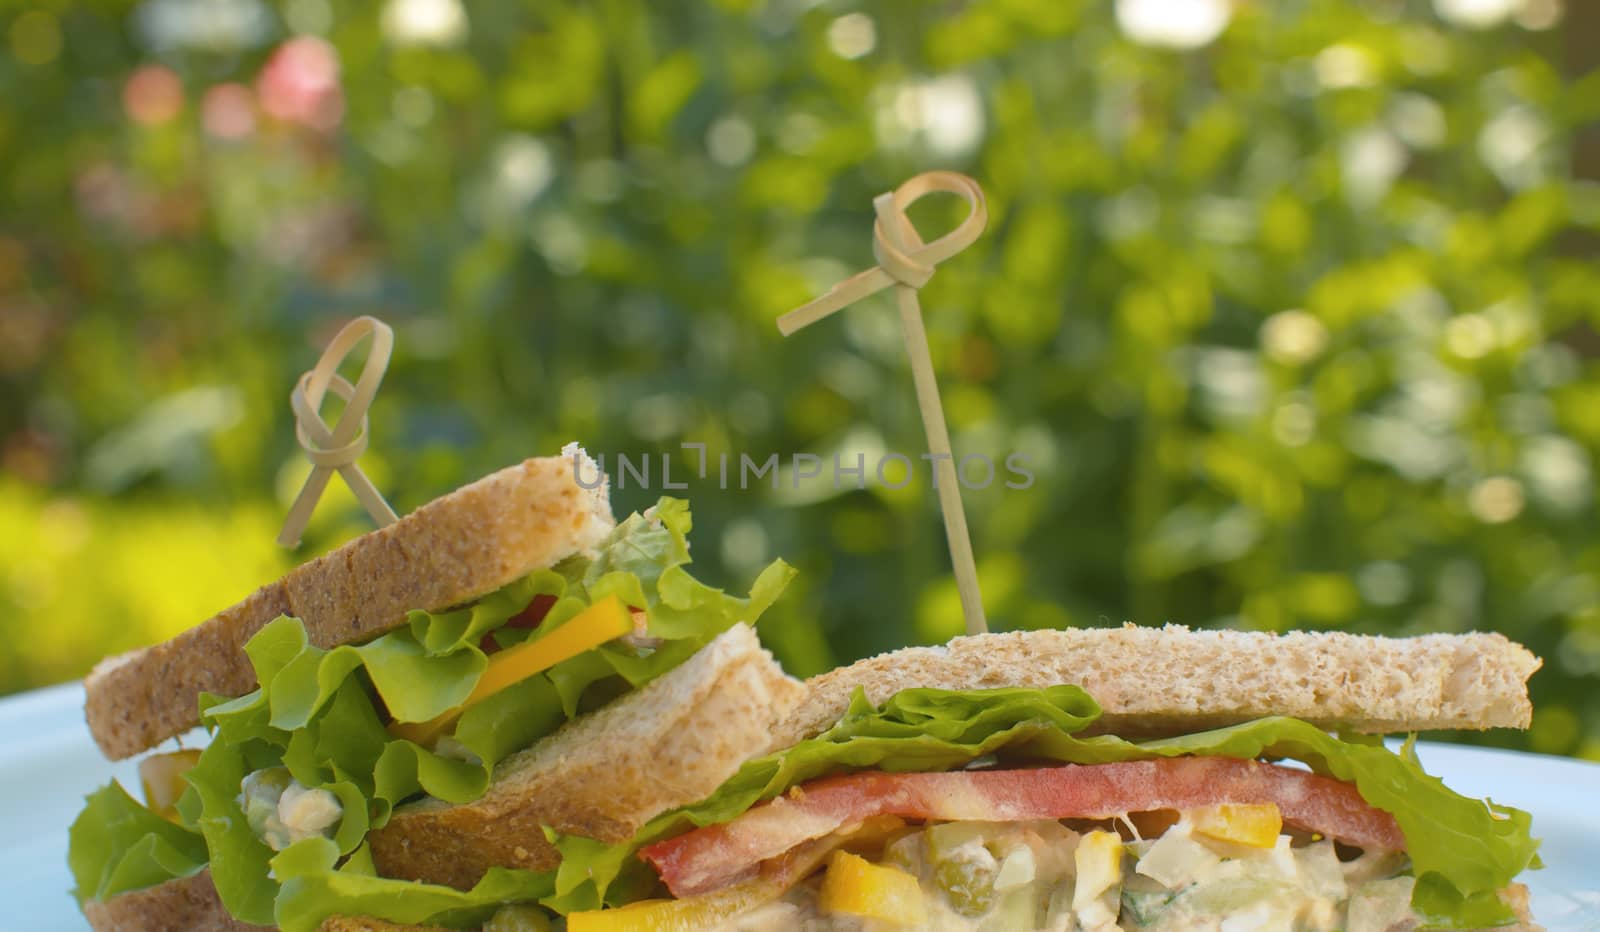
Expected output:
(188, 904)
(451, 550)
(191, 904)
(1174, 680)
(1516, 896)
(604, 775)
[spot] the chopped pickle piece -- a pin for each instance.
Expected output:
(857, 887)
(518, 919)
(162, 776)
(1142, 907)
(1254, 825)
(603, 621)
(963, 866)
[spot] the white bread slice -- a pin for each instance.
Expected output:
(1172, 680)
(665, 745)
(448, 552)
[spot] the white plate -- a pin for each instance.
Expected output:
(48, 763)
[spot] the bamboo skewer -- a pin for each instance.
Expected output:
(337, 449)
(906, 263)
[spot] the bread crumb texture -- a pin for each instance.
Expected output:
(670, 743)
(1172, 680)
(182, 905)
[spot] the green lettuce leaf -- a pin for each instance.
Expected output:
(1462, 850)
(316, 886)
(321, 712)
(117, 845)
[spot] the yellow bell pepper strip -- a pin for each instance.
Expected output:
(162, 776)
(603, 621)
(857, 887)
(1254, 825)
(686, 915)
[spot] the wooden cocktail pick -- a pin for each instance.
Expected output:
(906, 263)
(337, 449)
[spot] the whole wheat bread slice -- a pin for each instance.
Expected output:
(448, 552)
(1173, 680)
(181, 905)
(191, 905)
(602, 776)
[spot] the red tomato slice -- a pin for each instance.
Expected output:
(710, 858)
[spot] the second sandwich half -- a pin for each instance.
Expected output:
(427, 660)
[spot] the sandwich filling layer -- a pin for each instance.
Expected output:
(300, 770)
(1208, 869)
(1177, 832)
(1180, 843)
(710, 858)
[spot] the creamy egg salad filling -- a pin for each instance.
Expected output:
(1224, 868)
(281, 810)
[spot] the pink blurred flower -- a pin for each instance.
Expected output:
(152, 95)
(300, 84)
(228, 111)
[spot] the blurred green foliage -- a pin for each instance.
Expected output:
(1295, 326)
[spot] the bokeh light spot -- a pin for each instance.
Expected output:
(425, 22)
(1345, 65)
(153, 95)
(852, 35)
(1540, 14)
(1476, 14)
(413, 105)
(1293, 337)
(300, 84)
(1178, 24)
(1384, 582)
(1496, 500)
(944, 114)
(1294, 424)
(731, 141)
(522, 169)
(35, 38)
(228, 111)
(1470, 336)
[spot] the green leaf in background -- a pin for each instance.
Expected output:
(1289, 322)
